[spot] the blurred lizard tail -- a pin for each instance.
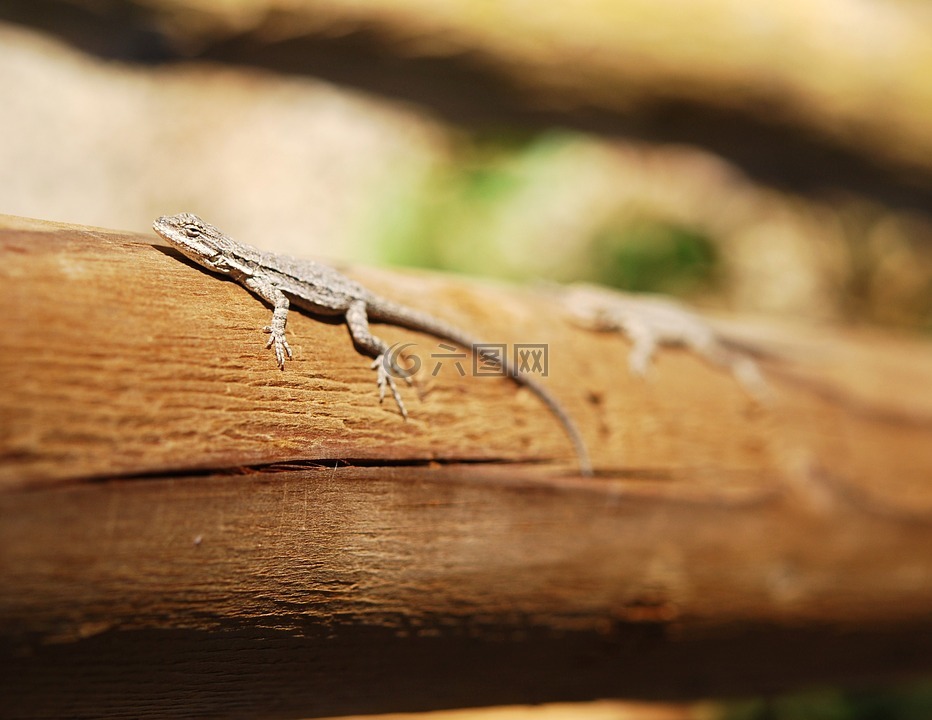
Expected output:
(402, 316)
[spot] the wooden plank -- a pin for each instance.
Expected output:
(122, 359)
(724, 546)
(351, 590)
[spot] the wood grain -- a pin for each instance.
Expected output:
(188, 531)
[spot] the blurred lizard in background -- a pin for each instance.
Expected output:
(652, 320)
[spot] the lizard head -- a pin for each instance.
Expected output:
(196, 239)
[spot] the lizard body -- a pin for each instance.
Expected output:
(321, 290)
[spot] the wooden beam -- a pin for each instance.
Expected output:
(186, 529)
(124, 358)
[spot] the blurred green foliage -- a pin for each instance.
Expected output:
(423, 228)
(913, 702)
(489, 211)
(562, 206)
(645, 255)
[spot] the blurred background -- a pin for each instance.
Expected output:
(761, 157)
(771, 158)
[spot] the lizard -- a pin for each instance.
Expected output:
(652, 320)
(322, 290)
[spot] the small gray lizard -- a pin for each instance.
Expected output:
(651, 320)
(322, 290)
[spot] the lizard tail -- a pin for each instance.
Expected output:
(402, 316)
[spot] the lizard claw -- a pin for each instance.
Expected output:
(396, 370)
(383, 379)
(282, 349)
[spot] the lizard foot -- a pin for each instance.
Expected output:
(638, 363)
(277, 338)
(394, 369)
(384, 379)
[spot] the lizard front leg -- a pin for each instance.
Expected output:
(357, 320)
(262, 287)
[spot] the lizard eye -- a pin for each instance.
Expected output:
(192, 231)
